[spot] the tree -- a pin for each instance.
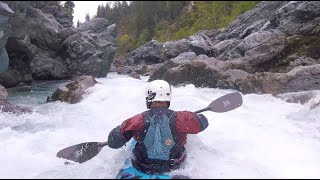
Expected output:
(78, 23)
(68, 6)
(100, 12)
(87, 17)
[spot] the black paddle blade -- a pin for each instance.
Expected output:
(226, 103)
(81, 152)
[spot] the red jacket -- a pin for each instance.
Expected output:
(186, 122)
(160, 134)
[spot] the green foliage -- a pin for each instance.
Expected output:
(141, 21)
(68, 7)
(208, 15)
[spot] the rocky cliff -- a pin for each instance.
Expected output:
(274, 49)
(43, 45)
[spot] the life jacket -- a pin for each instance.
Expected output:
(157, 150)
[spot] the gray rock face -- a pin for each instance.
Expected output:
(5, 30)
(18, 20)
(34, 40)
(163, 68)
(72, 92)
(301, 61)
(257, 16)
(4, 60)
(51, 7)
(43, 67)
(91, 49)
(221, 50)
(46, 36)
(201, 44)
(42, 47)
(302, 78)
(200, 72)
(153, 52)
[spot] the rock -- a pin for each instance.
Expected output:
(201, 44)
(316, 105)
(134, 75)
(302, 78)
(301, 61)
(3, 93)
(46, 68)
(259, 14)
(10, 108)
(184, 57)
(32, 46)
(5, 9)
(200, 72)
(91, 50)
(300, 17)
(46, 37)
(52, 8)
(299, 97)
(221, 49)
(153, 52)
(43, 45)
(10, 78)
(5, 30)
(4, 60)
(72, 92)
(162, 69)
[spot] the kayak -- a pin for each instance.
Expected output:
(130, 172)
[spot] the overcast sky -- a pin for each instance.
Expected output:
(83, 7)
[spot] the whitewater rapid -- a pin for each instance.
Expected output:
(264, 138)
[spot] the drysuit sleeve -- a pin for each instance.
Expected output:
(190, 122)
(116, 139)
(123, 133)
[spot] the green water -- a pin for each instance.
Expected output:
(33, 95)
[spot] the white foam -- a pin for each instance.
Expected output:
(264, 138)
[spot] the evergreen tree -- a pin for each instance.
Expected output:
(78, 23)
(99, 12)
(87, 17)
(141, 21)
(68, 6)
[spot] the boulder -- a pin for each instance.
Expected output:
(10, 108)
(73, 92)
(299, 97)
(90, 51)
(3, 93)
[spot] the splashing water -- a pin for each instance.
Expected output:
(264, 138)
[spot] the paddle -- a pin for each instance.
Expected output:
(81, 152)
(85, 151)
(224, 103)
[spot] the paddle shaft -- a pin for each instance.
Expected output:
(202, 110)
(102, 144)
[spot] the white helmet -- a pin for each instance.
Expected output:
(158, 90)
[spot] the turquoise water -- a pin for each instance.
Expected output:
(33, 95)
